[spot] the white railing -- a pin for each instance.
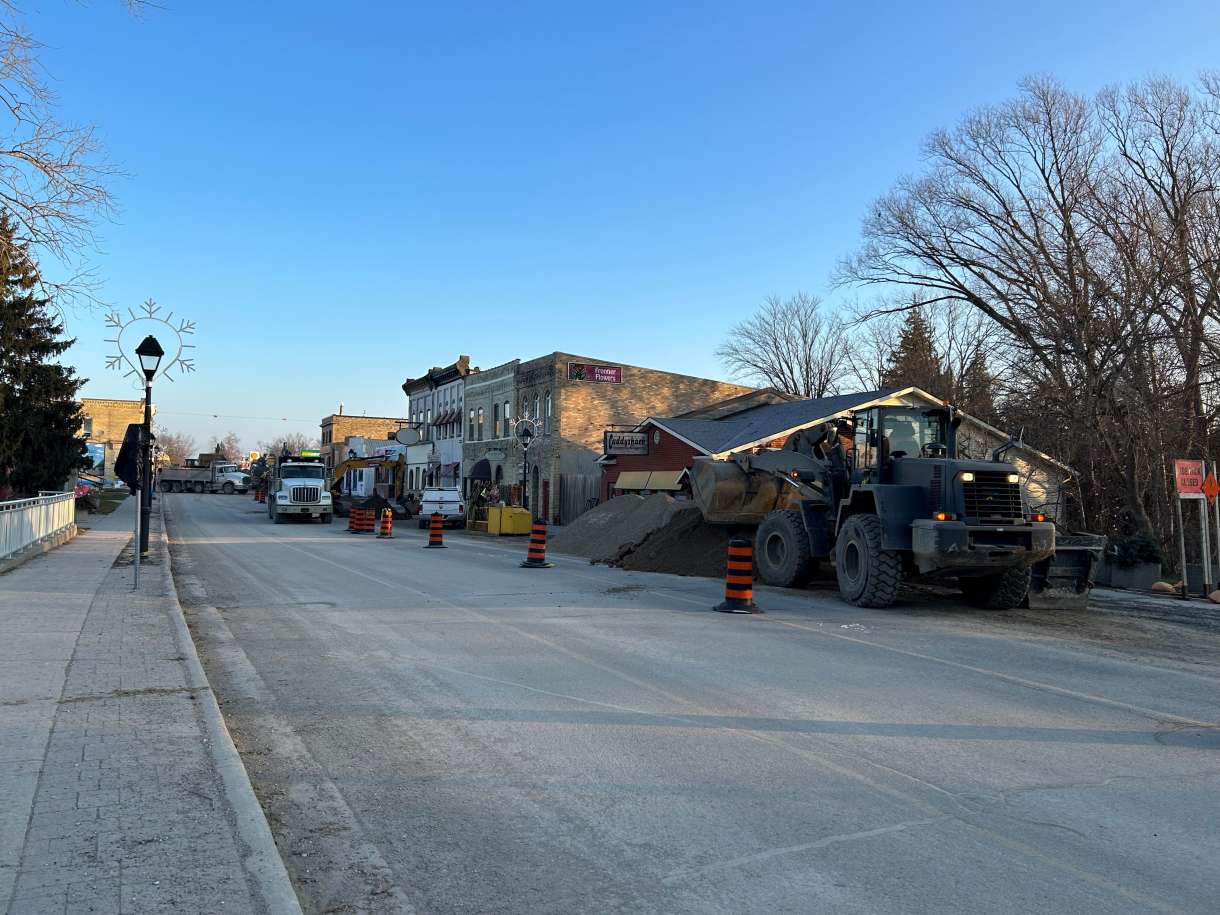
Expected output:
(27, 521)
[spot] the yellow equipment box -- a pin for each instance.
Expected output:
(508, 522)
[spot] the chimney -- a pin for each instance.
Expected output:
(340, 408)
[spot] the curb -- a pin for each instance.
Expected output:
(263, 862)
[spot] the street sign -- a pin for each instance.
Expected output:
(1188, 477)
(1211, 488)
(617, 443)
(406, 436)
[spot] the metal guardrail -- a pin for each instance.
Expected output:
(27, 521)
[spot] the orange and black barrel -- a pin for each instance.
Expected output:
(535, 558)
(436, 531)
(387, 524)
(739, 578)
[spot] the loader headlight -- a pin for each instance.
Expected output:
(966, 476)
(1014, 478)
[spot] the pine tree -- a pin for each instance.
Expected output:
(40, 422)
(915, 361)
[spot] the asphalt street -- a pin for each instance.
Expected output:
(441, 731)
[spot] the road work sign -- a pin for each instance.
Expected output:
(1188, 477)
(1211, 488)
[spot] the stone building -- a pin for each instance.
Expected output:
(435, 409)
(338, 427)
(106, 423)
(571, 400)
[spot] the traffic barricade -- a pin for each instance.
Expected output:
(739, 578)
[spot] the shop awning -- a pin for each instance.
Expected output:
(665, 480)
(632, 479)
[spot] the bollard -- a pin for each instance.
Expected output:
(535, 558)
(739, 578)
(360, 521)
(387, 524)
(436, 527)
(351, 520)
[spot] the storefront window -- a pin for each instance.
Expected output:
(470, 434)
(547, 416)
(479, 427)
(495, 420)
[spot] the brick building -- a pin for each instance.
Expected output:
(337, 427)
(571, 399)
(436, 410)
(106, 422)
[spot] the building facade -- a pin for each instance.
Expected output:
(490, 404)
(339, 427)
(570, 400)
(435, 408)
(106, 421)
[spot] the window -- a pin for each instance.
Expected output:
(470, 434)
(479, 437)
(546, 418)
(537, 416)
(495, 420)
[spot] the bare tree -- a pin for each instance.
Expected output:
(229, 447)
(53, 175)
(294, 442)
(177, 445)
(789, 344)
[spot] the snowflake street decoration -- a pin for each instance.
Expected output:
(129, 331)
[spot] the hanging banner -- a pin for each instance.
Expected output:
(1188, 478)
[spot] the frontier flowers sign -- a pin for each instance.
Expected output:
(601, 374)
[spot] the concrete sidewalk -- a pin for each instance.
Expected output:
(120, 790)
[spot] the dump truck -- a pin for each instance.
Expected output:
(207, 473)
(296, 488)
(884, 497)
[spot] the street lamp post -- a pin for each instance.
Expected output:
(150, 353)
(525, 434)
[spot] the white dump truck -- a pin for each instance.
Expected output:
(206, 473)
(296, 488)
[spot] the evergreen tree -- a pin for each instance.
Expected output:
(915, 361)
(40, 423)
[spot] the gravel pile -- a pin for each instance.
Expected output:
(653, 534)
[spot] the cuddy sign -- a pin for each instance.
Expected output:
(625, 443)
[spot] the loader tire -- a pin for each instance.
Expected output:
(781, 550)
(869, 576)
(1004, 591)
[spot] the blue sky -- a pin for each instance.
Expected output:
(343, 194)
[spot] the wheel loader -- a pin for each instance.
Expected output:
(884, 497)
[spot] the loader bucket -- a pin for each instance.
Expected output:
(1062, 581)
(726, 494)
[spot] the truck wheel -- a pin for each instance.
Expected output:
(198, 488)
(324, 517)
(781, 550)
(868, 575)
(165, 485)
(997, 592)
(227, 489)
(276, 517)
(177, 486)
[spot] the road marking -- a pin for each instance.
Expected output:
(1010, 678)
(793, 849)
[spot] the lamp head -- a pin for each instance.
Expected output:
(150, 354)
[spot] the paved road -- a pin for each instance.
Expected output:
(441, 731)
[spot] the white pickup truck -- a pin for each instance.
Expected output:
(446, 501)
(296, 488)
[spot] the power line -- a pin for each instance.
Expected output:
(234, 416)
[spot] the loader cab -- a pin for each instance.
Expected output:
(887, 435)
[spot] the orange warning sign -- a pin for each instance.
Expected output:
(1211, 488)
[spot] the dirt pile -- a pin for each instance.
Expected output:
(653, 534)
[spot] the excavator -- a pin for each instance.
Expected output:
(897, 505)
(397, 467)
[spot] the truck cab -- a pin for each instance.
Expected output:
(297, 489)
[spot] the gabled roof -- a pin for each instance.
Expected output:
(758, 425)
(762, 423)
